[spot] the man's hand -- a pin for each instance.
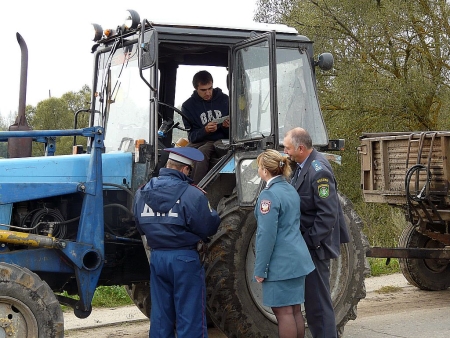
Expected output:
(226, 123)
(211, 127)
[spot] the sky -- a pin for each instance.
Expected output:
(58, 35)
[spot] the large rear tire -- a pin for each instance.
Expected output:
(426, 274)
(140, 295)
(28, 307)
(234, 302)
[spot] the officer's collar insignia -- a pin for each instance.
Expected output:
(264, 207)
(316, 165)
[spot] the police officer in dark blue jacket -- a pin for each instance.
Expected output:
(174, 216)
(207, 112)
(322, 225)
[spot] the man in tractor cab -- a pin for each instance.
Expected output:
(207, 109)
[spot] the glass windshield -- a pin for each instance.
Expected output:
(296, 96)
(253, 92)
(123, 100)
(297, 100)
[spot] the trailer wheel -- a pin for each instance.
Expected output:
(28, 307)
(426, 274)
(234, 302)
(140, 295)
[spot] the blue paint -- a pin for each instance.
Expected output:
(5, 215)
(27, 178)
(60, 175)
(229, 167)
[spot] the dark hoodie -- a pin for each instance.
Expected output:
(172, 213)
(201, 112)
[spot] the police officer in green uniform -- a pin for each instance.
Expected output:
(322, 225)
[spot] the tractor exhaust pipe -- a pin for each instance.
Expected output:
(21, 147)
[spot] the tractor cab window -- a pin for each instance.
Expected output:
(252, 88)
(298, 105)
(123, 100)
(184, 89)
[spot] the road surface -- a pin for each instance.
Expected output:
(392, 308)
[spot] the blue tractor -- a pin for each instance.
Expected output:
(66, 222)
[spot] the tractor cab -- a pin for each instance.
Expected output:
(270, 78)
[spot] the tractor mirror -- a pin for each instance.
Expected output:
(148, 50)
(326, 61)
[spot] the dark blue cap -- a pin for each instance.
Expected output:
(185, 155)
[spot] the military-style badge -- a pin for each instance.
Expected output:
(324, 190)
(264, 207)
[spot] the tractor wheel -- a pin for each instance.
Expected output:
(28, 307)
(349, 269)
(140, 294)
(426, 274)
(235, 302)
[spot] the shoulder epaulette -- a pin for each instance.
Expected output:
(195, 186)
(316, 165)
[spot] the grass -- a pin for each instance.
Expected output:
(106, 296)
(388, 289)
(383, 226)
(378, 266)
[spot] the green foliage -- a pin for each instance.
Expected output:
(391, 73)
(381, 266)
(3, 145)
(59, 114)
(383, 224)
(109, 296)
(106, 296)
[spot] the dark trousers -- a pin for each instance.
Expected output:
(318, 305)
(201, 168)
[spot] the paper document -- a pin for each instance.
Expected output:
(220, 119)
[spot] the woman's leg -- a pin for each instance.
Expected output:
(289, 321)
(299, 320)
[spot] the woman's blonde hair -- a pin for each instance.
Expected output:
(274, 163)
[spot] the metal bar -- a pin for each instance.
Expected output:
(419, 253)
(87, 132)
(22, 238)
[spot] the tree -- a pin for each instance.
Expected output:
(3, 145)
(76, 101)
(57, 114)
(391, 64)
(391, 67)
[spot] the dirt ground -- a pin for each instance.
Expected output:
(135, 330)
(402, 300)
(383, 299)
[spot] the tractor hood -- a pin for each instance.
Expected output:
(35, 177)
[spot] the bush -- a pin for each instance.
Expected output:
(105, 296)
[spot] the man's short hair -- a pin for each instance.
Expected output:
(300, 136)
(171, 164)
(202, 77)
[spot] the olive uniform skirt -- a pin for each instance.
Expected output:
(284, 292)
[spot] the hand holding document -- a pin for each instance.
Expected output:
(220, 119)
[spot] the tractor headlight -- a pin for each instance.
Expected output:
(132, 19)
(98, 32)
